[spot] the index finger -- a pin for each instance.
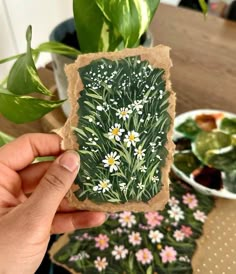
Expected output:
(21, 152)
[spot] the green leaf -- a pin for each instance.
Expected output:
(23, 77)
(188, 128)
(204, 6)
(4, 138)
(130, 18)
(11, 58)
(59, 48)
(91, 27)
(23, 109)
(149, 270)
(228, 125)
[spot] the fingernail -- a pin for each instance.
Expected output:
(69, 160)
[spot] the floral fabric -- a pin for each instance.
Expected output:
(155, 242)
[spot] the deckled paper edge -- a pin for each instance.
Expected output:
(158, 57)
(62, 241)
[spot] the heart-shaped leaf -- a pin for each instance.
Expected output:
(91, 28)
(23, 77)
(23, 109)
(130, 18)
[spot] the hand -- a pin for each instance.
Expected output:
(32, 204)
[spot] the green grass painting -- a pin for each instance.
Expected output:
(122, 130)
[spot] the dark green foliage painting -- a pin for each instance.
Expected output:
(122, 130)
(141, 243)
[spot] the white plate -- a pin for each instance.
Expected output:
(205, 190)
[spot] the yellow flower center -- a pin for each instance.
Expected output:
(111, 161)
(159, 246)
(123, 112)
(139, 151)
(131, 137)
(103, 184)
(145, 256)
(102, 242)
(127, 219)
(189, 199)
(136, 238)
(115, 131)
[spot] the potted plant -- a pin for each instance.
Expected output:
(100, 25)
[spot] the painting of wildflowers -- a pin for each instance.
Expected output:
(122, 130)
(141, 243)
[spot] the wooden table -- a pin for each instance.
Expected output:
(203, 76)
(204, 57)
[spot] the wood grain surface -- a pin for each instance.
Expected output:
(204, 57)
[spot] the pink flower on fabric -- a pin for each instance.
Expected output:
(187, 230)
(101, 241)
(168, 254)
(190, 200)
(153, 219)
(178, 235)
(127, 219)
(200, 216)
(144, 256)
(135, 238)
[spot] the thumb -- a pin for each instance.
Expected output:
(55, 184)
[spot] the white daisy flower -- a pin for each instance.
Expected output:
(111, 161)
(100, 263)
(176, 213)
(155, 179)
(155, 236)
(173, 201)
(139, 152)
(131, 138)
(138, 106)
(140, 186)
(135, 238)
(200, 216)
(178, 235)
(103, 186)
(123, 187)
(143, 169)
(119, 252)
(115, 132)
(123, 113)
